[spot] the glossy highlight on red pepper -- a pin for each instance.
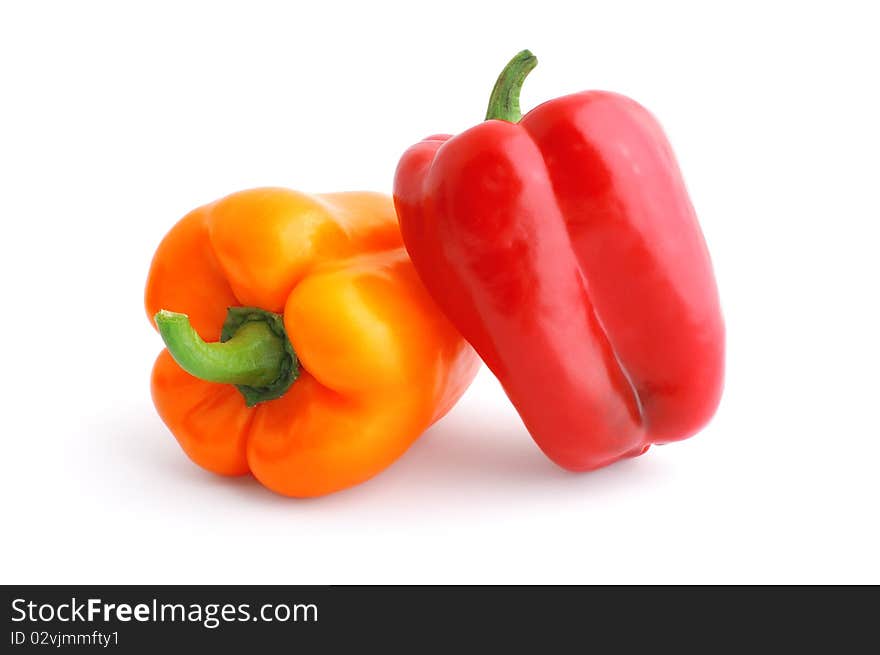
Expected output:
(564, 247)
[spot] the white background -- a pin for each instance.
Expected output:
(117, 118)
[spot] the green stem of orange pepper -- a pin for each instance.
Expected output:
(253, 352)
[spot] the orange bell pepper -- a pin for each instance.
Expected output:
(332, 357)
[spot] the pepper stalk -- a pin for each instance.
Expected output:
(253, 353)
(504, 101)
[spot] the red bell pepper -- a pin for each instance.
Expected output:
(564, 247)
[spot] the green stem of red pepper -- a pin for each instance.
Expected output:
(504, 101)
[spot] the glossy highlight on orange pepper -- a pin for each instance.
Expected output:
(373, 364)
